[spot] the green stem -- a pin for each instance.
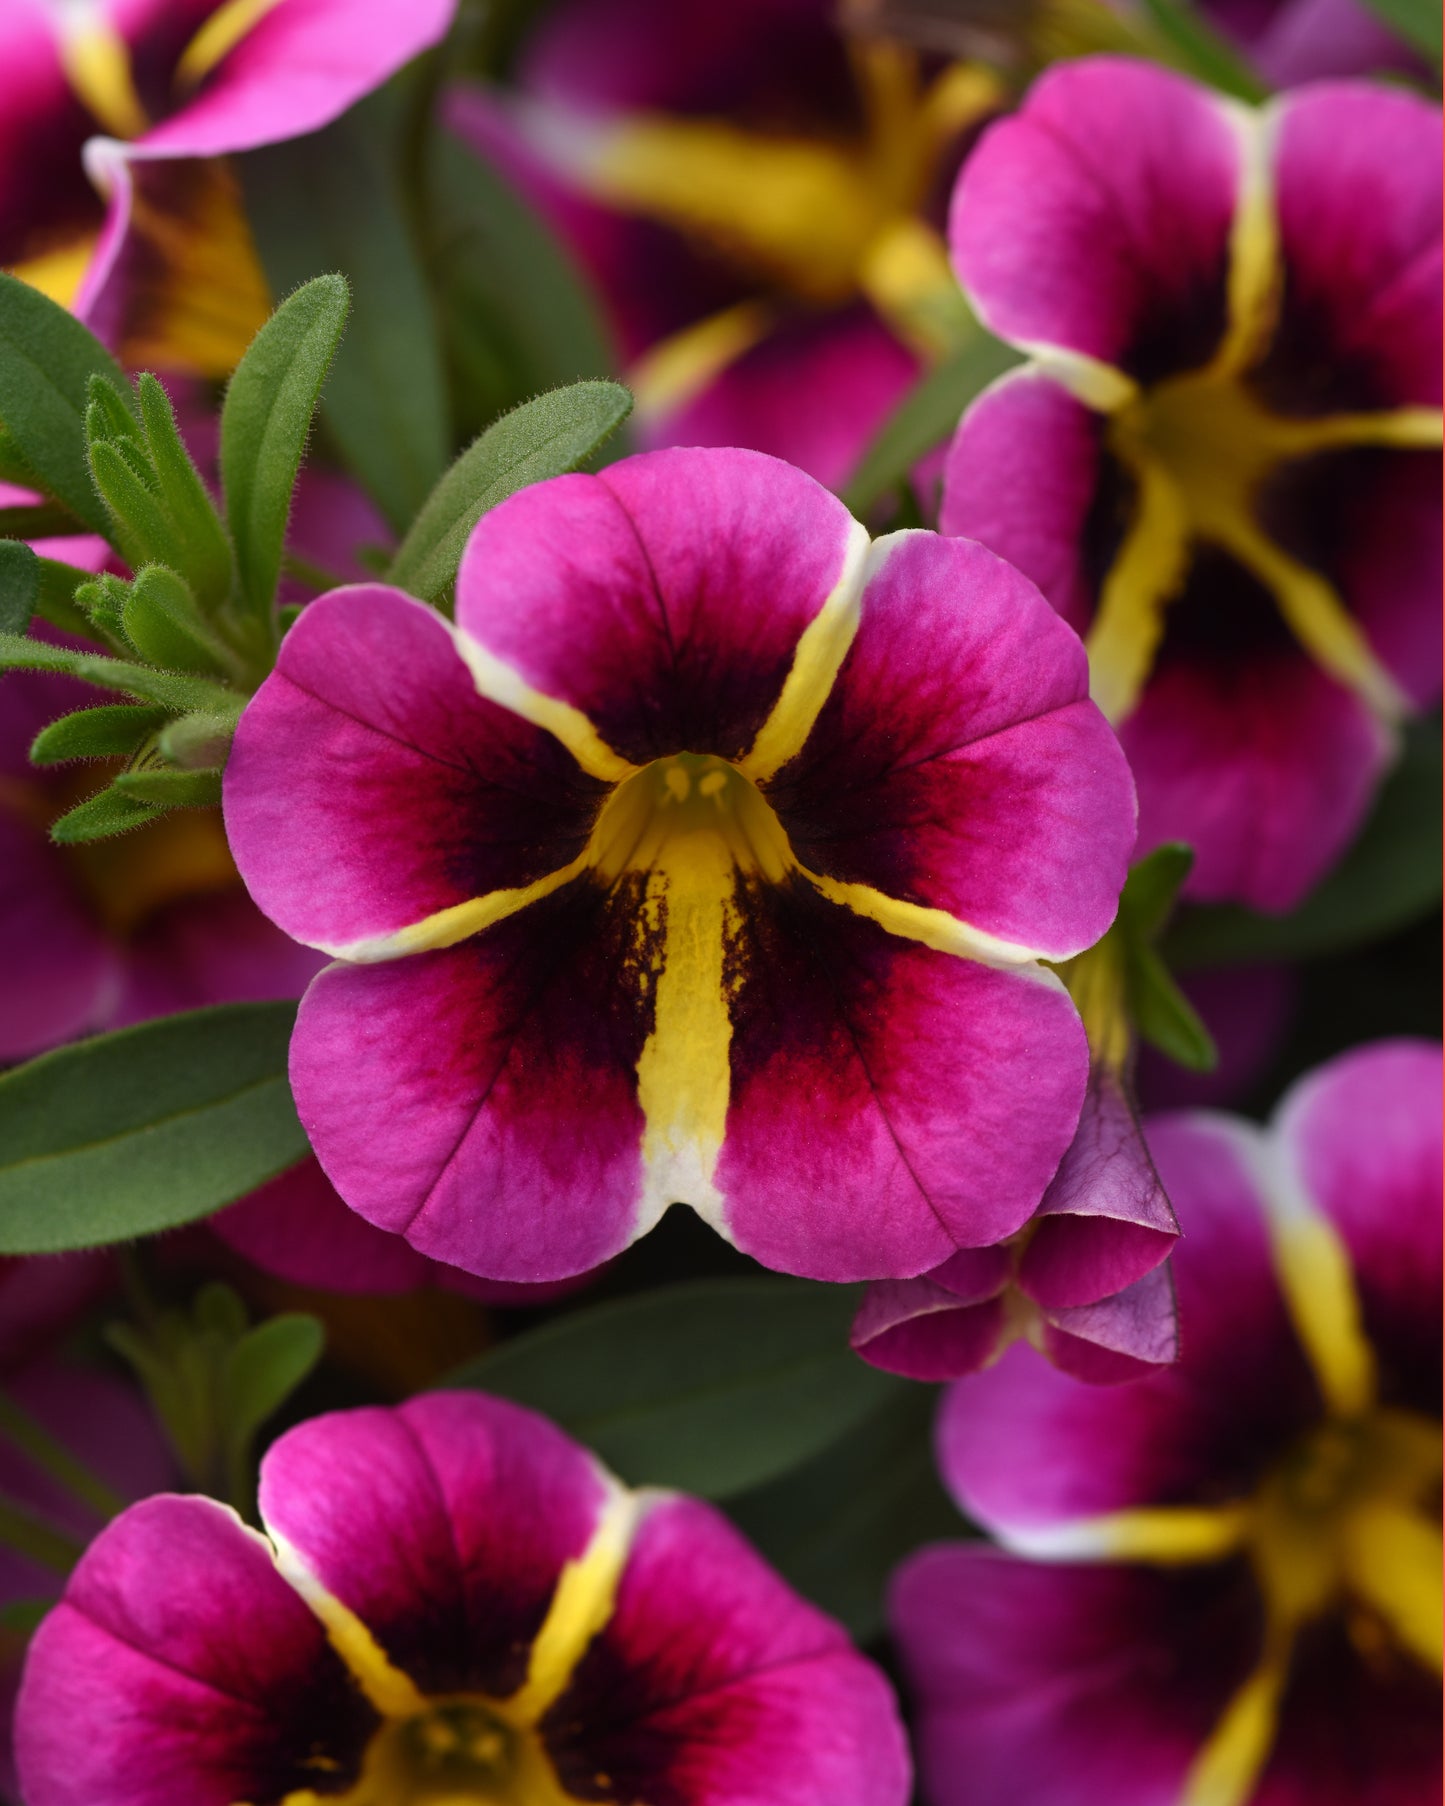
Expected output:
(28, 1536)
(56, 1459)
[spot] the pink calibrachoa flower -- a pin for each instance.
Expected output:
(708, 860)
(142, 97)
(1221, 462)
(760, 199)
(1219, 1586)
(455, 1602)
(1292, 41)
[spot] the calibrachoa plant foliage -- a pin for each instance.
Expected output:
(720, 1072)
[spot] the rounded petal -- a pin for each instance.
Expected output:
(889, 1103)
(664, 599)
(1314, 40)
(1357, 177)
(1045, 1685)
(443, 1526)
(1125, 1337)
(482, 1100)
(918, 1329)
(301, 65)
(180, 1666)
(1362, 1134)
(713, 1684)
(1203, 1429)
(370, 787)
(1097, 217)
(958, 763)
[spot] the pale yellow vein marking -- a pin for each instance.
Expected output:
(934, 928)
(392, 1693)
(457, 923)
(1162, 1535)
(1392, 1560)
(96, 61)
(1227, 1769)
(218, 37)
(499, 683)
(1124, 636)
(1255, 270)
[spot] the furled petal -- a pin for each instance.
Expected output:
(713, 1684)
(483, 1099)
(1357, 175)
(1105, 1220)
(1204, 1427)
(370, 787)
(1361, 1136)
(301, 65)
(180, 1666)
(1120, 1338)
(958, 764)
(1020, 477)
(919, 1329)
(1097, 218)
(664, 599)
(889, 1102)
(1052, 1686)
(443, 1526)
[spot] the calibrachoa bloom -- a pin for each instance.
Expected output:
(1292, 41)
(140, 98)
(1219, 463)
(1222, 1583)
(708, 860)
(760, 200)
(456, 1603)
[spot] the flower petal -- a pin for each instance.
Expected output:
(370, 787)
(663, 600)
(43, 190)
(209, 949)
(917, 1328)
(1124, 1337)
(1097, 218)
(958, 764)
(443, 1526)
(195, 1671)
(713, 1684)
(1049, 1685)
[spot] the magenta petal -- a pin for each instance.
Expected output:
(483, 1100)
(196, 1673)
(1314, 40)
(1118, 1338)
(664, 598)
(1104, 1221)
(1363, 1136)
(713, 1684)
(958, 763)
(299, 67)
(442, 1525)
(889, 1103)
(43, 188)
(1097, 217)
(370, 786)
(916, 1328)
(1048, 1685)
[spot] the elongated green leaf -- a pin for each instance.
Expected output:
(107, 813)
(333, 201)
(1152, 888)
(146, 1128)
(203, 551)
(99, 733)
(839, 1525)
(542, 438)
(46, 520)
(712, 1386)
(1417, 21)
(926, 416)
(179, 692)
(264, 423)
(47, 359)
(56, 604)
(19, 585)
(172, 789)
(164, 624)
(1161, 1012)
(1194, 46)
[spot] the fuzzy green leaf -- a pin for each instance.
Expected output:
(45, 520)
(47, 359)
(101, 817)
(164, 624)
(177, 691)
(172, 789)
(106, 732)
(145, 1129)
(264, 426)
(203, 552)
(195, 742)
(263, 1369)
(542, 438)
(19, 585)
(56, 601)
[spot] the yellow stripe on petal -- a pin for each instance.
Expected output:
(59, 271)
(96, 61)
(1162, 1535)
(1149, 571)
(933, 928)
(821, 650)
(1392, 1561)
(677, 369)
(391, 1692)
(462, 920)
(1090, 380)
(582, 1604)
(218, 37)
(1256, 270)
(1228, 1768)
(499, 683)
(1402, 429)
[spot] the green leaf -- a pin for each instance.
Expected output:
(837, 1526)
(197, 742)
(1389, 878)
(172, 789)
(137, 521)
(202, 550)
(47, 359)
(100, 817)
(264, 423)
(1417, 21)
(19, 585)
(109, 731)
(263, 1369)
(1187, 42)
(518, 313)
(926, 416)
(1161, 1012)
(179, 692)
(542, 438)
(333, 200)
(712, 1386)
(164, 624)
(145, 1129)
(56, 601)
(1152, 888)
(45, 520)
